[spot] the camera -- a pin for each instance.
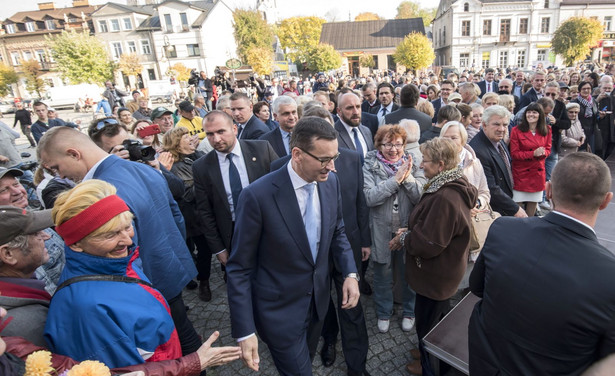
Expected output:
(138, 152)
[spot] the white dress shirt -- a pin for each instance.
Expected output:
(302, 197)
(241, 168)
(351, 134)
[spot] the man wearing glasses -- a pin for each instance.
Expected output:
(289, 229)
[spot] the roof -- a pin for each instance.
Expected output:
(58, 14)
(127, 8)
(369, 34)
(588, 2)
(205, 5)
(152, 22)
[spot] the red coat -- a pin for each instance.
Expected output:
(528, 171)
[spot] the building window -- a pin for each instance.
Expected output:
(117, 49)
(487, 27)
(27, 55)
(132, 47)
(505, 30)
(544, 25)
(15, 58)
(102, 25)
(443, 41)
(464, 60)
(10, 28)
(151, 74)
(184, 19)
(541, 55)
(466, 7)
(546, 4)
(127, 23)
(115, 25)
(193, 49)
(503, 59)
(168, 22)
(145, 47)
(521, 58)
(172, 52)
(30, 26)
(608, 20)
(50, 25)
(465, 28)
(523, 25)
(486, 62)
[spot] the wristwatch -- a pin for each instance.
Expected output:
(353, 275)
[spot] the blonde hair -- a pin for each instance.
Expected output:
(460, 127)
(441, 149)
(171, 140)
(71, 203)
(426, 107)
(507, 101)
(489, 96)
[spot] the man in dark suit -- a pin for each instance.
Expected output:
(408, 98)
(370, 98)
(386, 94)
(535, 92)
(249, 127)
(351, 134)
(488, 85)
(446, 89)
(289, 228)
(285, 113)
(505, 87)
(213, 185)
(491, 150)
(547, 283)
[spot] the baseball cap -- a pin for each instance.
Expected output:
(159, 111)
(51, 109)
(12, 171)
(186, 106)
(15, 222)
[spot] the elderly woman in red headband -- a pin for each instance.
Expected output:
(105, 308)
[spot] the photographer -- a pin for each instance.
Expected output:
(205, 88)
(114, 95)
(112, 137)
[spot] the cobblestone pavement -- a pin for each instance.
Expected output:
(387, 355)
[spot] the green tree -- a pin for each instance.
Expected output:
(8, 76)
(251, 30)
(130, 64)
(367, 16)
(575, 37)
(324, 57)
(81, 58)
(300, 35)
(179, 71)
(412, 9)
(31, 71)
(367, 61)
(414, 52)
(260, 59)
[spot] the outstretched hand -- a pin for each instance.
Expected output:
(215, 356)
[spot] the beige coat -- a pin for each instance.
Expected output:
(473, 170)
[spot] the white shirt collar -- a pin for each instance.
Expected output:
(574, 219)
(92, 171)
(236, 151)
(297, 181)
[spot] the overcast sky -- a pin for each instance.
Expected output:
(340, 9)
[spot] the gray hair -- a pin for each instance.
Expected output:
(572, 105)
(311, 104)
(462, 130)
(412, 128)
(509, 81)
(552, 84)
(223, 102)
(369, 85)
(496, 110)
(282, 100)
(198, 96)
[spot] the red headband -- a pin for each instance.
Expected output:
(86, 222)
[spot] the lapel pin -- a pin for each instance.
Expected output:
(253, 159)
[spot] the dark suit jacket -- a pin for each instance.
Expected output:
(344, 139)
(253, 129)
(371, 122)
(275, 139)
(483, 87)
(562, 122)
(498, 180)
(374, 110)
(365, 107)
(437, 104)
(212, 204)
(356, 213)
(272, 277)
(527, 98)
(548, 304)
(409, 113)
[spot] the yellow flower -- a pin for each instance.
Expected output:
(39, 364)
(90, 368)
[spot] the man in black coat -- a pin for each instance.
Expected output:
(249, 127)
(546, 283)
(488, 85)
(532, 95)
(386, 96)
(370, 98)
(351, 133)
(408, 98)
(285, 113)
(447, 87)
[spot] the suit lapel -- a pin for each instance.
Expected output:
(325, 218)
(367, 137)
(250, 159)
(279, 142)
(286, 201)
(216, 178)
(343, 136)
(498, 160)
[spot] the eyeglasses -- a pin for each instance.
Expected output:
(103, 123)
(551, 94)
(323, 161)
(390, 146)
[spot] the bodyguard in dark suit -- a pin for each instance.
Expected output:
(370, 121)
(249, 127)
(408, 98)
(494, 156)
(546, 284)
(488, 85)
(532, 95)
(386, 95)
(289, 229)
(213, 185)
(349, 128)
(285, 113)
(370, 97)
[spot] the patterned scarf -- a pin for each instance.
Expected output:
(442, 178)
(589, 108)
(391, 167)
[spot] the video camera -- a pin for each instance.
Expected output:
(138, 152)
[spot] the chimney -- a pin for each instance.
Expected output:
(46, 6)
(81, 3)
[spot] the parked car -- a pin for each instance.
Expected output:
(7, 107)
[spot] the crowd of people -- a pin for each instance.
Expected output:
(302, 185)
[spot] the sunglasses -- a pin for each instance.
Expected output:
(103, 123)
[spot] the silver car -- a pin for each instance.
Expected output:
(7, 107)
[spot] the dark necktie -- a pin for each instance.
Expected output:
(384, 111)
(239, 129)
(504, 156)
(234, 180)
(357, 143)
